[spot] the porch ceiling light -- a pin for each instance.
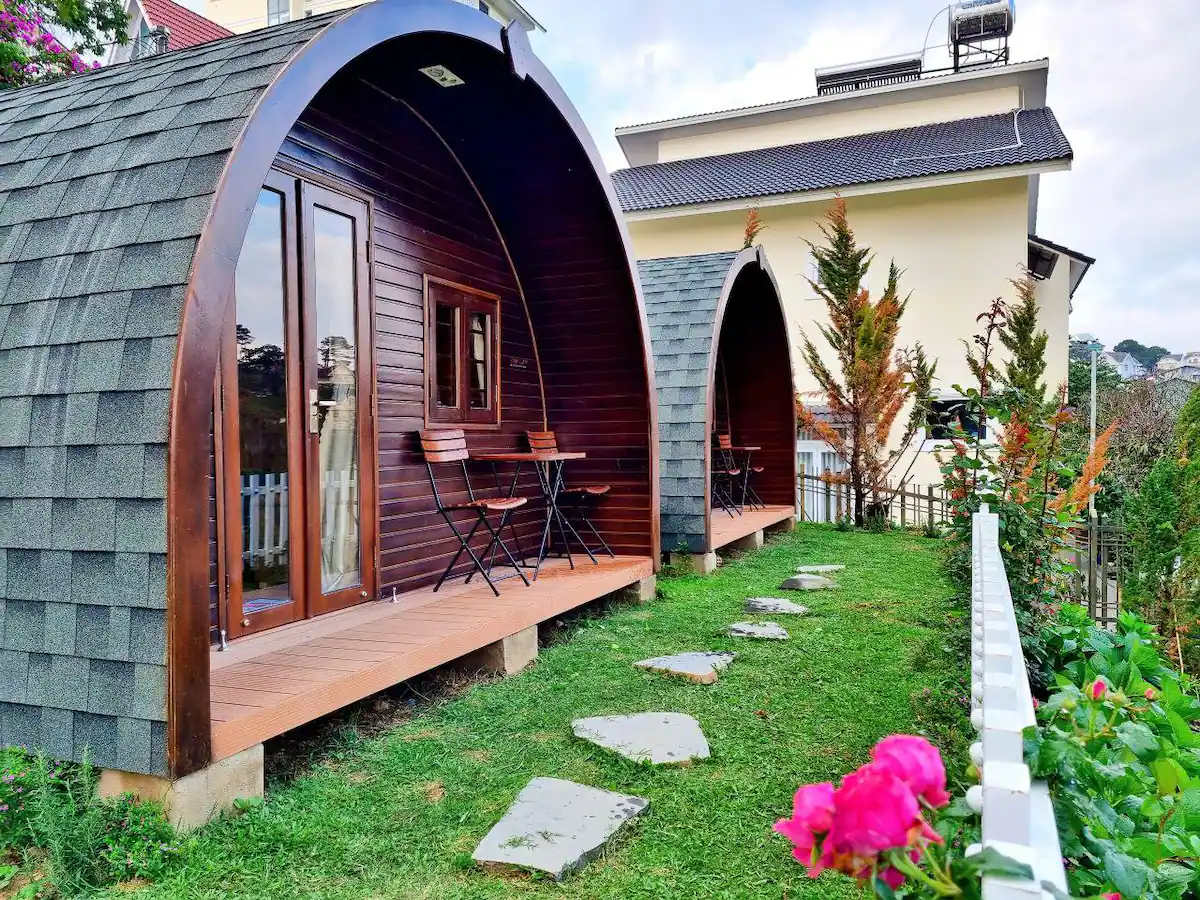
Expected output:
(442, 76)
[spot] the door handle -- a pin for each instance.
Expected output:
(314, 410)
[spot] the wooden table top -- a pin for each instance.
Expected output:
(746, 449)
(528, 456)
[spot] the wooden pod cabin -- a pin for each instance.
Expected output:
(236, 282)
(723, 366)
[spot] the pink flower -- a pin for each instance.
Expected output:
(812, 815)
(876, 811)
(1149, 694)
(1111, 895)
(1097, 689)
(917, 763)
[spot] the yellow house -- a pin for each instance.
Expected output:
(940, 173)
(246, 15)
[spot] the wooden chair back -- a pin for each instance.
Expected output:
(542, 441)
(724, 442)
(445, 446)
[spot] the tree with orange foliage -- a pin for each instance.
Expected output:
(754, 227)
(873, 381)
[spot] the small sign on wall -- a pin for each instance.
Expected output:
(518, 362)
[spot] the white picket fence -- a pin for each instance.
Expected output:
(265, 514)
(1018, 819)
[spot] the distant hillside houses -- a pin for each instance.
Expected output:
(1178, 366)
(1126, 364)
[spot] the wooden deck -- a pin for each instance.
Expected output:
(269, 683)
(727, 529)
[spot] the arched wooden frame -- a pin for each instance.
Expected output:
(756, 257)
(210, 289)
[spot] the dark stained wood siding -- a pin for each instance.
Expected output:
(753, 350)
(427, 219)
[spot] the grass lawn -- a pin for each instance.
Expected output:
(398, 815)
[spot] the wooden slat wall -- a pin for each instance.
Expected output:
(754, 351)
(427, 220)
(215, 588)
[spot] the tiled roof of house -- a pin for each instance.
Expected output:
(187, 29)
(964, 145)
(682, 294)
(105, 183)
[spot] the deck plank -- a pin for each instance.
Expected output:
(266, 684)
(726, 529)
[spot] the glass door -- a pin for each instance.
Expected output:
(340, 494)
(296, 411)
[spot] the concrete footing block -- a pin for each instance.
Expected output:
(752, 541)
(509, 655)
(198, 798)
(788, 524)
(700, 563)
(639, 592)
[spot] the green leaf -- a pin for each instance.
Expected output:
(1172, 879)
(882, 889)
(1169, 775)
(1188, 806)
(991, 861)
(1128, 875)
(1055, 891)
(1137, 737)
(1184, 736)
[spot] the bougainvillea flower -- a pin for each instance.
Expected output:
(1097, 689)
(812, 816)
(917, 763)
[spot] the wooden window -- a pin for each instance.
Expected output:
(462, 354)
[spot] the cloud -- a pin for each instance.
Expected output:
(1124, 83)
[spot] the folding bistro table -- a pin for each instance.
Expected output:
(549, 467)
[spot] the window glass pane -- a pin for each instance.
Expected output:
(337, 396)
(479, 341)
(262, 407)
(446, 345)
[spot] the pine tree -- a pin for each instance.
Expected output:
(1025, 343)
(874, 381)
(1187, 427)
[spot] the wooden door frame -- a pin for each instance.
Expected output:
(359, 209)
(233, 539)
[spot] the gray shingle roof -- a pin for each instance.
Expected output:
(942, 148)
(682, 294)
(105, 183)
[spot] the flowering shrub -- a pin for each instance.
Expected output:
(878, 826)
(1117, 745)
(87, 842)
(29, 52)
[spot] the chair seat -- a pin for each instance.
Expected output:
(594, 490)
(498, 504)
(757, 470)
(727, 471)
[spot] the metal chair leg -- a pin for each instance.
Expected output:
(464, 545)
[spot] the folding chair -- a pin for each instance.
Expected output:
(580, 497)
(447, 447)
(725, 475)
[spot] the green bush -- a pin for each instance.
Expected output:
(1117, 745)
(87, 842)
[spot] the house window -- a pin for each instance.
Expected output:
(277, 12)
(946, 416)
(462, 354)
(484, 8)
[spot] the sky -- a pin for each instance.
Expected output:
(1124, 84)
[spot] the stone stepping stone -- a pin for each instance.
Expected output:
(556, 826)
(659, 738)
(776, 605)
(700, 667)
(823, 569)
(767, 631)
(807, 583)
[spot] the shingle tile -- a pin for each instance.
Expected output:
(14, 673)
(24, 625)
(141, 526)
(91, 631)
(149, 700)
(84, 524)
(155, 312)
(30, 523)
(147, 636)
(15, 413)
(94, 578)
(58, 680)
(97, 736)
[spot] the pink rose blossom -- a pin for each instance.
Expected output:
(1097, 689)
(917, 763)
(1111, 895)
(1149, 694)
(812, 815)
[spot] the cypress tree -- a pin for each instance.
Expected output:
(1025, 343)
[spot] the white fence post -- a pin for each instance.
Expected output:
(1018, 819)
